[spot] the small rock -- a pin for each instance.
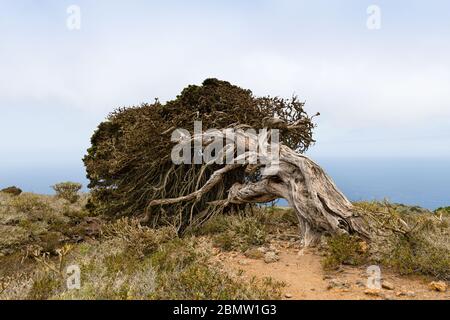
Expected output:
(288, 295)
(373, 292)
(360, 283)
(13, 191)
(254, 254)
(406, 293)
(262, 249)
(334, 283)
(387, 285)
(439, 286)
(410, 293)
(273, 249)
(242, 262)
(327, 277)
(271, 257)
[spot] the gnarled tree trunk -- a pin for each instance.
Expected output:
(320, 206)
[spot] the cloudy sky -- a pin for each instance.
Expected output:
(381, 93)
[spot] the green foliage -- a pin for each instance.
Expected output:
(44, 286)
(344, 249)
(235, 232)
(68, 191)
(129, 163)
(140, 240)
(443, 210)
(412, 240)
(415, 255)
(30, 204)
(38, 220)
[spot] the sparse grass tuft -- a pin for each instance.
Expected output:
(44, 286)
(233, 232)
(140, 240)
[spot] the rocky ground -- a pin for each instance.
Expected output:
(305, 278)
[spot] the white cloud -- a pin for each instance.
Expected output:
(371, 89)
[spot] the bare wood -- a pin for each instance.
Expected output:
(320, 206)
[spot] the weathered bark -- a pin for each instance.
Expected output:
(320, 206)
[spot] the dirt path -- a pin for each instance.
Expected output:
(306, 280)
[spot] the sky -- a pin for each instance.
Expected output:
(382, 93)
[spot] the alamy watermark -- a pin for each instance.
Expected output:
(228, 146)
(73, 281)
(374, 19)
(73, 21)
(374, 277)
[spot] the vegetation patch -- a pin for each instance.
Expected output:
(344, 249)
(411, 240)
(131, 261)
(236, 232)
(68, 191)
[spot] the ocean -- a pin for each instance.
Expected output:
(422, 182)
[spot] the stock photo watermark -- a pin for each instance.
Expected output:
(373, 277)
(73, 281)
(228, 146)
(73, 21)
(374, 17)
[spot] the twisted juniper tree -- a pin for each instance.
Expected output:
(131, 169)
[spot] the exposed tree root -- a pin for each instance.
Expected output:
(320, 206)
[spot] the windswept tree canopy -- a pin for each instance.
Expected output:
(129, 163)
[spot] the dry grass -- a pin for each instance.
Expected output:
(411, 240)
(39, 220)
(127, 261)
(41, 235)
(249, 229)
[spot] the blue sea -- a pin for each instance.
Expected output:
(423, 182)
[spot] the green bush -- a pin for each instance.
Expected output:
(411, 240)
(68, 191)
(442, 210)
(233, 232)
(344, 249)
(415, 254)
(129, 165)
(44, 286)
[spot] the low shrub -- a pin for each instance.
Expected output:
(411, 240)
(344, 249)
(68, 191)
(233, 232)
